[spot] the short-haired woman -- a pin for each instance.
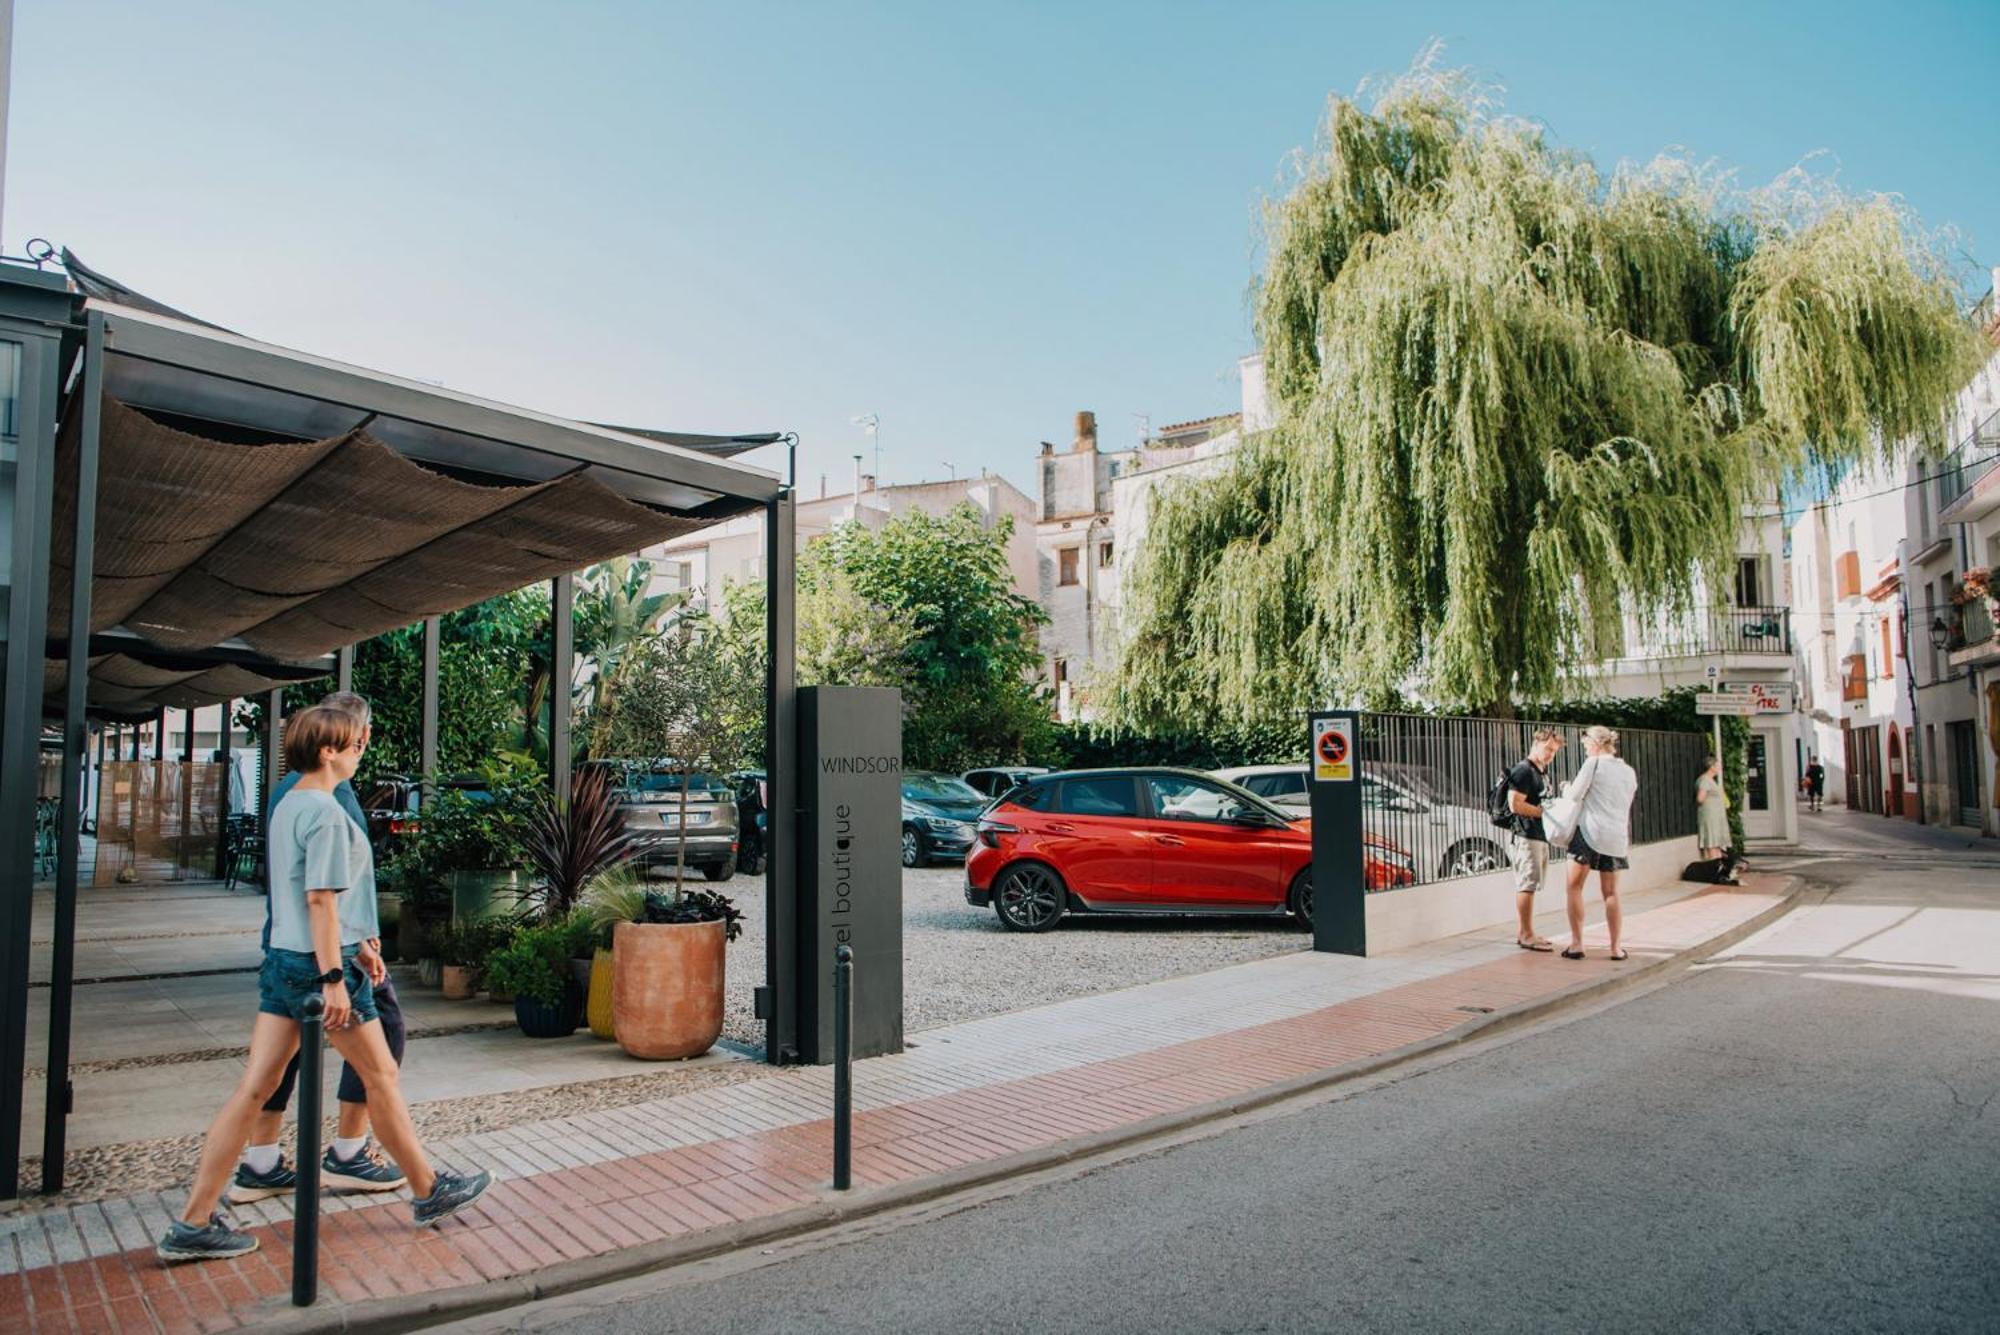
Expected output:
(1711, 812)
(316, 854)
(1602, 791)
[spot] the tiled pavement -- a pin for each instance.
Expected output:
(962, 1096)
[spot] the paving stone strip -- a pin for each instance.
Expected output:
(670, 1172)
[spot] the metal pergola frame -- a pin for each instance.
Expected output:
(75, 351)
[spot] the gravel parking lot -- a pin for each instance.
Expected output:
(959, 963)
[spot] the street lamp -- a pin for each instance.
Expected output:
(1940, 633)
(871, 423)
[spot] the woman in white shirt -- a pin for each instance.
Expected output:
(1602, 792)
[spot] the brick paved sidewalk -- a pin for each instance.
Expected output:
(716, 1166)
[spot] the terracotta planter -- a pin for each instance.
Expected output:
(457, 980)
(666, 988)
(597, 1009)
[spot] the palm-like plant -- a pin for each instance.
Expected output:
(572, 842)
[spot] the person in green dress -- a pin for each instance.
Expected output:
(1712, 811)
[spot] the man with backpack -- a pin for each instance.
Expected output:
(1527, 783)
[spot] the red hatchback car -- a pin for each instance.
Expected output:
(1148, 841)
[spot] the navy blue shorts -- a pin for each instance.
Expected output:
(290, 976)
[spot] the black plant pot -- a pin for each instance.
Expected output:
(538, 1020)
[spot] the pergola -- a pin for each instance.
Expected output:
(199, 517)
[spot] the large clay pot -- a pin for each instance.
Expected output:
(456, 980)
(666, 988)
(597, 1009)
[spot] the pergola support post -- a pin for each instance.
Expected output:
(562, 648)
(59, 1100)
(222, 753)
(784, 965)
(271, 741)
(427, 732)
(21, 720)
(343, 668)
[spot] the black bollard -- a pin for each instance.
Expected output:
(843, 1068)
(305, 1203)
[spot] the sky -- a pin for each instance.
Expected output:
(971, 221)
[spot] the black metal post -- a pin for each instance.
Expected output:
(76, 751)
(27, 615)
(785, 944)
(135, 744)
(305, 1201)
(1337, 892)
(843, 1067)
(273, 743)
(562, 648)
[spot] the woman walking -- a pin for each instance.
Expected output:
(1602, 791)
(1711, 811)
(320, 862)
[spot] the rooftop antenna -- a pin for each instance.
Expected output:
(1145, 421)
(871, 423)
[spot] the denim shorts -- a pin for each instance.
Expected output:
(290, 976)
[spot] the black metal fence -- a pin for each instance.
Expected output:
(1425, 780)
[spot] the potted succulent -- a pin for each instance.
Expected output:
(533, 968)
(667, 968)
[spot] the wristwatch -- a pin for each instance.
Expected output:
(331, 976)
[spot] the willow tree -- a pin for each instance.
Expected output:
(1513, 395)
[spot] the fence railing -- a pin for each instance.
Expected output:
(1424, 785)
(1972, 459)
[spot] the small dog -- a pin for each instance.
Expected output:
(1714, 871)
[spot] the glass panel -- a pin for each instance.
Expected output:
(1757, 795)
(1113, 795)
(1179, 798)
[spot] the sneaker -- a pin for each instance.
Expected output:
(449, 1194)
(366, 1171)
(213, 1241)
(251, 1185)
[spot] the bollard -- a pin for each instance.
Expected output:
(305, 1203)
(843, 1068)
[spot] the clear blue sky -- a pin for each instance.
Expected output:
(972, 220)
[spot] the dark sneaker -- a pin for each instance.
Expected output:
(213, 1241)
(251, 1185)
(364, 1172)
(449, 1194)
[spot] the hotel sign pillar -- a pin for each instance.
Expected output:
(850, 864)
(1340, 890)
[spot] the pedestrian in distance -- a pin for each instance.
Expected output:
(1815, 781)
(349, 1162)
(1711, 814)
(1527, 782)
(1602, 794)
(316, 856)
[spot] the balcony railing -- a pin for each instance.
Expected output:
(1972, 459)
(1727, 630)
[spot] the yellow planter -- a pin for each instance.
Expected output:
(598, 1008)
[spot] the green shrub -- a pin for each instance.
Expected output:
(534, 965)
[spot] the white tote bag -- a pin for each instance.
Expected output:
(1558, 820)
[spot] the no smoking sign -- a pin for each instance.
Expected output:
(1333, 750)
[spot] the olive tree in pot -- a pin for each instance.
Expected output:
(667, 958)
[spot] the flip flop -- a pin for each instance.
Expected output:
(1572, 954)
(1621, 955)
(1536, 945)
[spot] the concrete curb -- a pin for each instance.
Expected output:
(418, 1310)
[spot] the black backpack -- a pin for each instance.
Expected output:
(1499, 805)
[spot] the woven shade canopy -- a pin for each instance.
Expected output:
(296, 548)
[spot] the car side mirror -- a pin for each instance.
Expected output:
(1256, 820)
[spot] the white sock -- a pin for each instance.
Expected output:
(261, 1158)
(346, 1147)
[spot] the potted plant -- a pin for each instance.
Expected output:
(667, 969)
(457, 953)
(475, 837)
(533, 968)
(615, 896)
(572, 841)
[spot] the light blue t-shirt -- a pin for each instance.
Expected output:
(313, 845)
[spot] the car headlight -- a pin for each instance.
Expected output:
(944, 824)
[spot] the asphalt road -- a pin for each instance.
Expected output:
(1801, 1137)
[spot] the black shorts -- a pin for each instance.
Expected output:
(1581, 851)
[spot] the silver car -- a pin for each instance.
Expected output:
(651, 802)
(1447, 839)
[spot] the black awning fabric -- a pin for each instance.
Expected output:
(298, 548)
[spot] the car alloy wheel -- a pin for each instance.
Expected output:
(913, 848)
(1300, 899)
(1471, 858)
(1029, 898)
